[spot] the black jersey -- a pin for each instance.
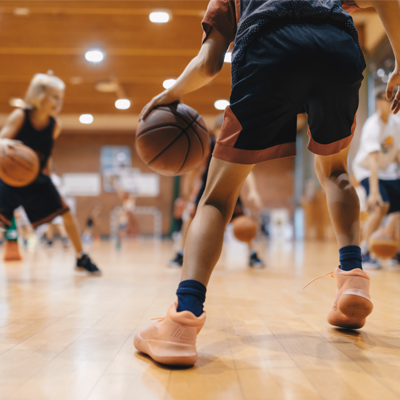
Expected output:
(41, 141)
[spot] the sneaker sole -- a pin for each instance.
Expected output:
(81, 269)
(166, 352)
(257, 265)
(172, 264)
(354, 309)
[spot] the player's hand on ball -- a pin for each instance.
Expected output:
(163, 98)
(6, 144)
(393, 82)
(374, 200)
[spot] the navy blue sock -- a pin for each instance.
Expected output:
(350, 258)
(191, 296)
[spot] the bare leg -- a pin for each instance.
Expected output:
(72, 231)
(185, 229)
(205, 237)
(342, 199)
(392, 225)
(49, 232)
(374, 221)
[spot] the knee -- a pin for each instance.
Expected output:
(223, 205)
(329, 170)
(383, 209)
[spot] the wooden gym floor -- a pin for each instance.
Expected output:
(64, 336)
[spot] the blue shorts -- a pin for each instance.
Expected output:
(390, 192)
(287, 70)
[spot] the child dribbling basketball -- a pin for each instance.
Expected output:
(36, 126)
(289, 56)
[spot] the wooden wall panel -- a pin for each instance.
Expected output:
(81, 153)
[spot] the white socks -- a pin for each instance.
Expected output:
(364, 248)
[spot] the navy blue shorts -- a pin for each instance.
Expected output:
(40, 199)
(288, 70)
(390, 192)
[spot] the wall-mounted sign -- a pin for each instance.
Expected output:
(82, 184)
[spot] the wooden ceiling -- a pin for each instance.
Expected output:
(56, 34)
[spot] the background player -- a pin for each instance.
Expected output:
(191, 190)
(36, 126)
(276, 73)
(376, 167)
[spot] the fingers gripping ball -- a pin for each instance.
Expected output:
(383, 245)
(19, 166)
(173, 139)
(244, 229)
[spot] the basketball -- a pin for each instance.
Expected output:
(244, 229)
(382, 245)
(20, 166)
(173, 139)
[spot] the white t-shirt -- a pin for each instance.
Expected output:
(375, 136)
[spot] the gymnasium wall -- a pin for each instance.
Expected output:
(80, 152)
(275, 183)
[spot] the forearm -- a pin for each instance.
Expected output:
(251, 182)
(389, 12)
(196, 75)
(373, 179)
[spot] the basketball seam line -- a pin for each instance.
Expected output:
(15, 160)
(166, 148)
(187, 153)
(157, 127)
(201, 144)
(180, 116)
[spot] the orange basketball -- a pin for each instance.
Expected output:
(244, 229)
(20, 166)
(173, 139)
(383, 245)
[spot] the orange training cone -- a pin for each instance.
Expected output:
(11, 248)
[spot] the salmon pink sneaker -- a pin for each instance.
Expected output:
(352, 303)
(172, 339)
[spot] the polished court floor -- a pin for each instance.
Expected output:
(65, 336)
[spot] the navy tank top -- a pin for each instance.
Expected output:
(41, 141)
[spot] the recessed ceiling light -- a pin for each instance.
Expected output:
(168, 83)
(94, 56)
(381, 72)
(122, 104)
(21, 11)
(76, 80)
(159, 17)
(228, 57)
(221, 104)
(86, 119)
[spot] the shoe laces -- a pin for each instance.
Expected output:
(331, 274)
(158, 319)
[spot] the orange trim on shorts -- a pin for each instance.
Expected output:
(225, 147)
(331, 148)
(60, 211)
(240, 156)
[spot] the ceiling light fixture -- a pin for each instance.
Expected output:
(21, 11)
(122, 104)
(94, 56)
(221, 104)
(168, 83)
(86, 119)
(159, 17)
